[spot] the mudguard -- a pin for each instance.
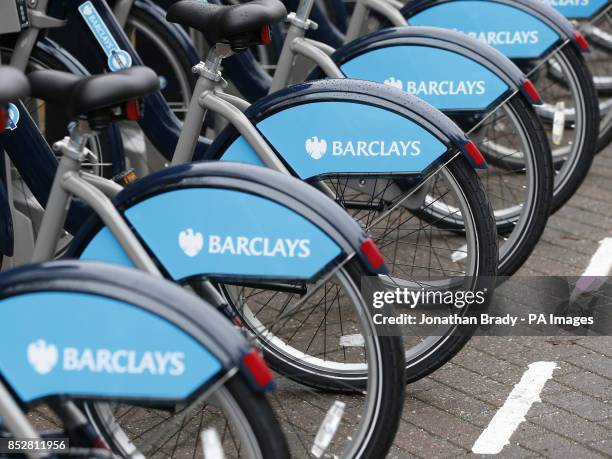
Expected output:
(522, 29)
(106, 332)
(578, 9)
(347, 127)
(6, 219)
(249, 222)
(461, 73)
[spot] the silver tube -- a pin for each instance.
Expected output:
(314, 53)
(237, 102)
(304, 9)
(108, 187)
(284, 64)
(329, 50)
(244, 126)
(192, 125)
(111, 217)
(16, 420)
(55, 213)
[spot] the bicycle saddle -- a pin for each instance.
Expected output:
(240, 26)
(14, 85)
(82, 95)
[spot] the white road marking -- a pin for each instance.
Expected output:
(509, 417)
(459, 254)
(600, 266)
(355, 340)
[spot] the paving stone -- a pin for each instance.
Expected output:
(593, 362)
(415, 441)
(605, 446)
(458, 404)
(455, 376)
(572, 426)
(511, 451)
(589, 383)
(447, 426)
(554, 446)
(479, 362)
(500, 346)
(601, 344)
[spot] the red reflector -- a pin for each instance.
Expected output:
(372, 253)
(582, 42)
(531, 91)
(3, 119)
(132, 110)
(266, 35)
(474, 153)
(258, 368)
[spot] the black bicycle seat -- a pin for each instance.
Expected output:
(13, 85)
(240, 26)
(80, 95)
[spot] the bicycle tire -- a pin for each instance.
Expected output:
(254, 406)
(181, 79)
(519, 233)
(581, 162)
(383, 387)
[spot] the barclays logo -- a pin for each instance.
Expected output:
(192, 242)
(506, 37)
(439, 88)
(44, 357)
(316, 148)
(117, 58)
(394, 83)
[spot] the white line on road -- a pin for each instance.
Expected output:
(599, 267)
(509, 417)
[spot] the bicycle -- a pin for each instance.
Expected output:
(449, 172)
(333, 253)
(52, 304)
(190, 361)
(520, 192)
(557, 49)
(593, 20)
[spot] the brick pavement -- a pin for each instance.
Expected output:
(445, 413)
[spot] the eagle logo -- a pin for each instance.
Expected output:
(42, 356)
(393, 82)
(191, 242)
(316, 147)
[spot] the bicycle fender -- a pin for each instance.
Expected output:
(462, 74)
(582, 9)
(524, 29)
(6, 219)
(347, 127)
(248, 223)
(106, 332)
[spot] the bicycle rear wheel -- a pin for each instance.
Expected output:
(244, 421)
(422, 253)
(566, 86)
